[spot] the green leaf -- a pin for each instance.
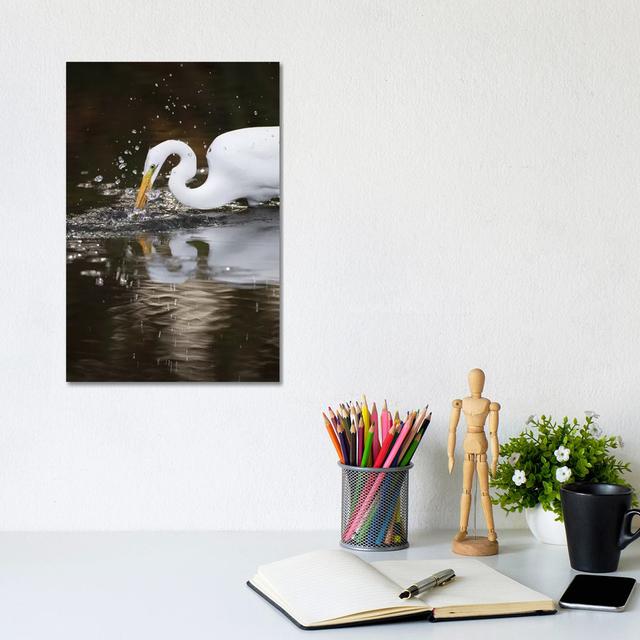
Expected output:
(591, 459)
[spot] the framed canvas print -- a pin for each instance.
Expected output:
(173, 222)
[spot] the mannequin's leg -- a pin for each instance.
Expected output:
(465, 498)
(485, 498)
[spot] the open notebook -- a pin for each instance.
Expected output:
(336, 588)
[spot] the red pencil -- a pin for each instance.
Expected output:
(386, 445)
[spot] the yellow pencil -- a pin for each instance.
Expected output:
(365, 414)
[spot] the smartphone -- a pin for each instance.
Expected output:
(602, 593)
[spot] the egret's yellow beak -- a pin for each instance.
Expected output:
(145, 185)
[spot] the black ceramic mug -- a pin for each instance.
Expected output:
(597, 519)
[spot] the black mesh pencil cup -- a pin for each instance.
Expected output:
(375, 506)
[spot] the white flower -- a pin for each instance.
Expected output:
(563, 474)
(531, 419)
(518, 477)
(620, 441)
(591, 414)
(595, 430)
(513, 458)
(561, 454)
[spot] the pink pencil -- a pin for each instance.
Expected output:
(385, 422)
(416, 426)
(364, 507)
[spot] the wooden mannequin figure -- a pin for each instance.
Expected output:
(475, 409)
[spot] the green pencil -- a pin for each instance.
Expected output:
(406, 459)
(368, 444)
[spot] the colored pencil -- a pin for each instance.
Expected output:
(417, 439)
(331, 422)
(333, 437)
(402, 436)
(353, 458)
(386, 422)
(353, 421)
(344, 418)
(334, 421)
(344, 445)
(406, 459)
(389, 494)
(384, 449)
(376, 433)
(412, 434)
(357, 521)
(387, 524)
(393, 533)
(347, 432)
(360, 441)
(368, 444)
(365, 438)
(365, 414)
(392, 491)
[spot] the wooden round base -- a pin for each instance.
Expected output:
(475, 546)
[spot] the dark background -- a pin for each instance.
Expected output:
(191, 101)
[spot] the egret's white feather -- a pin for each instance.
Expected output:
(244, 163)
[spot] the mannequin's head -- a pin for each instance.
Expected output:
(476, 382)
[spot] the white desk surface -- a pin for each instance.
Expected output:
(189, 586)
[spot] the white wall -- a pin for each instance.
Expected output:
(461, 188)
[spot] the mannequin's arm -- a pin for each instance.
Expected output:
(494, 408)
(453, 425)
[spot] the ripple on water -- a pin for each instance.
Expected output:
(163, 213)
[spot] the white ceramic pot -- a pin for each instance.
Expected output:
(544, 526)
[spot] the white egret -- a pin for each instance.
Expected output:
(244, 163)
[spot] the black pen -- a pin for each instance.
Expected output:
(436, 580)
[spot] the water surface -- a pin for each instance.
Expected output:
(153, 302)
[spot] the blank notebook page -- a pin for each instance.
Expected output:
(324, 585)
(475, 582)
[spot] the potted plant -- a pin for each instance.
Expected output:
(534, 465)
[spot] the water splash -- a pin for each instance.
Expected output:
(163, 213)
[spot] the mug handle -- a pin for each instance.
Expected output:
(626, 537)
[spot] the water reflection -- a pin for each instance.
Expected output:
(240, 255)
(196, 304)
